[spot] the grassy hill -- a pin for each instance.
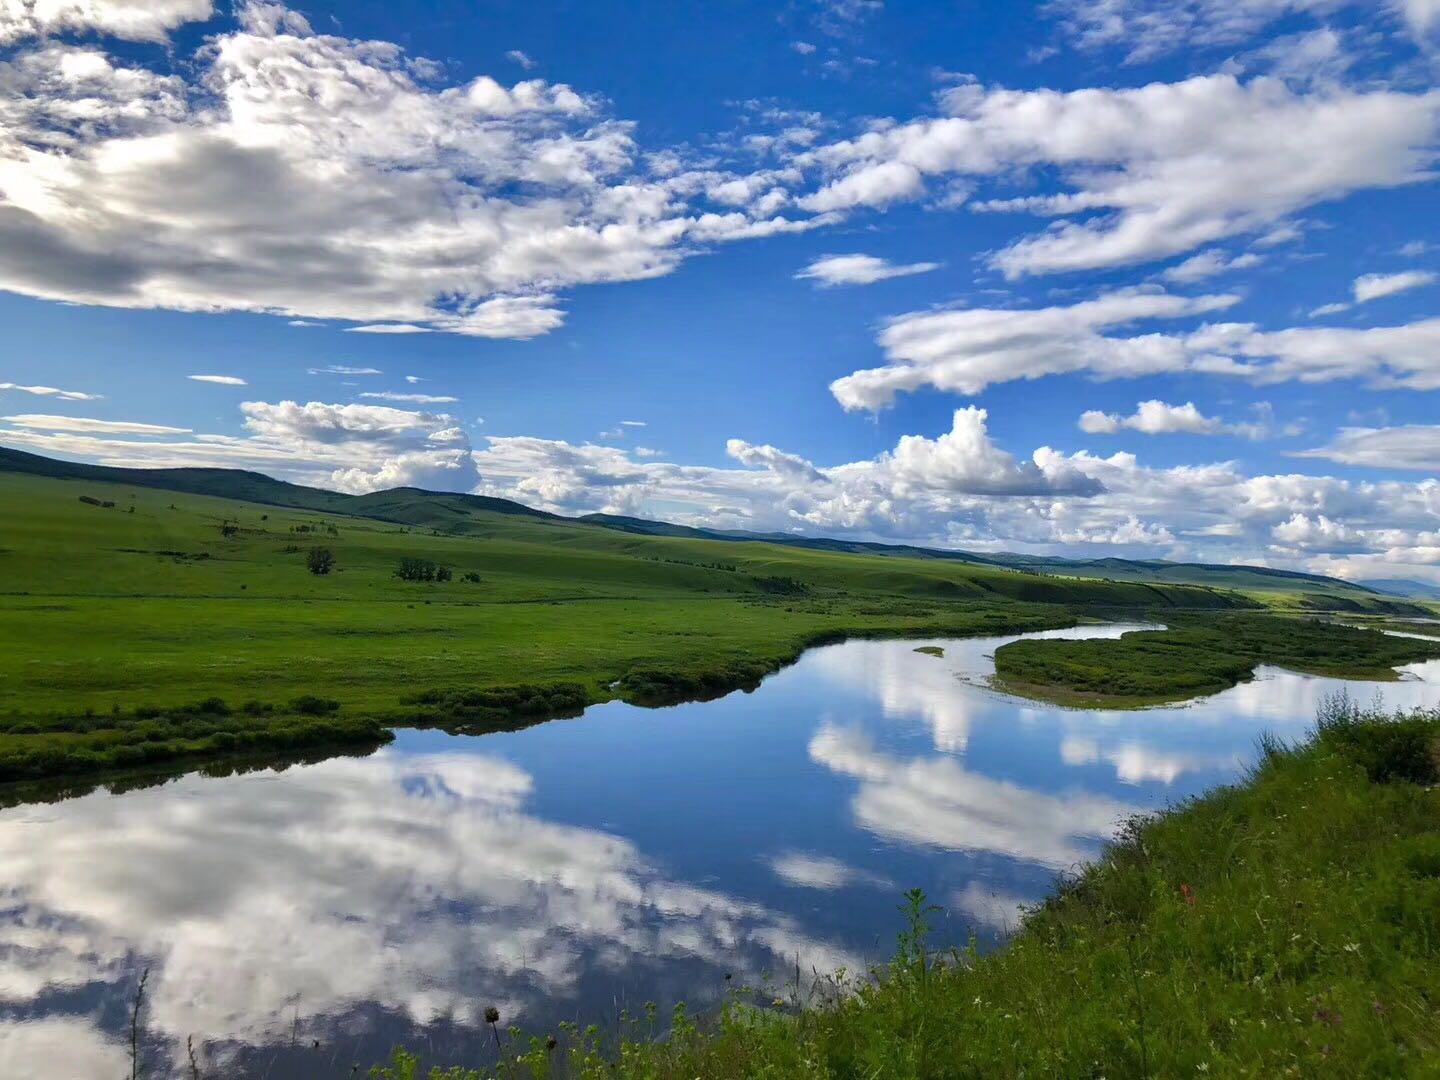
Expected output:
(137, 615)
(469, 514)
(165, 597)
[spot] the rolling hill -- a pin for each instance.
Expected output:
(460, 514)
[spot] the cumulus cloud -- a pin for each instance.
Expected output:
(1155, 417)
(1369, 287)
(285, 171)
(831, 270)
(132, 20)
(1146, 172)
(50, 391)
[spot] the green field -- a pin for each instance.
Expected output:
(1287, 926)
(139, 625)
(1197, 657)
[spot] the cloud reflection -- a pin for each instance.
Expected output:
(939, 803)
(418, 884)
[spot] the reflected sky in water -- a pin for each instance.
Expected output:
(298, 921)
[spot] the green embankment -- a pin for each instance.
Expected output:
(1287, 926)
(1193, 658)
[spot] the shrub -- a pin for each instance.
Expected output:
(412, 569)
(472, 577)
(310, 705)
(320, 561)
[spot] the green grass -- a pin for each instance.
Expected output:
(1286, 926)
(106, 607)
(1198, 657)
(162, 599)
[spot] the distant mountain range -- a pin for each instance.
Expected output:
(451, 512)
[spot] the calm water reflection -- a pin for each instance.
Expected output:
(581, 866)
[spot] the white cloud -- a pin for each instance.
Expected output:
(389, 328)
(967, 350)
(1160, 418)
(1153, 418)
(50, 391)
(343, 369)
(804, 48)
(1147, 172)
(132, 20)
(1416, 446)
(831, 270)
(632, 423)
(413, 399)
(1329, 309)
(1208, 264)
(81, 424)
(1318, 533)
(964, 351)
(315, 176)
(1150, 28)
(521, 58)
(1369, 287)
(219, 380)
(1423, 16)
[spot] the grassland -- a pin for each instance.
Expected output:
(1287, 926)
(124, 607)
(1198, 657)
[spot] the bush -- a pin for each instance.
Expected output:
(411, 569)
(320, 561)
(310, 705)
(1400, 747)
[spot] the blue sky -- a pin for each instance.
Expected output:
(1092, 277)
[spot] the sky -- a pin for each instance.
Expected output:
(1137, 278)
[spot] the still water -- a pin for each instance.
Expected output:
(298, 921)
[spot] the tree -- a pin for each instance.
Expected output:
(320, 561)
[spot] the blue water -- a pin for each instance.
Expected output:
(296, 922)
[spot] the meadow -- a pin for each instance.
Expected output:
(1196, 657)
(126, 608)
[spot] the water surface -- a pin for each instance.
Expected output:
(298, 921)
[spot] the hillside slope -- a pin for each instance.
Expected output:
(460, 514)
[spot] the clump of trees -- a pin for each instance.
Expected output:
(320, 561)
(90, 500)
(411, 569)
